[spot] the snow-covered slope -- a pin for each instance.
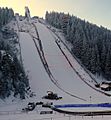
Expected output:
(73, 84)
(62, 71)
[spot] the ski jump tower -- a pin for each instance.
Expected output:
(27, 13)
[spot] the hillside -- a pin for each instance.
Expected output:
(90, 44)
(58, 82)
(13, 79)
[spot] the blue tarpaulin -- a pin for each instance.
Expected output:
(83, 105)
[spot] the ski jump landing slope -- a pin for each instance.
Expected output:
(65, 76)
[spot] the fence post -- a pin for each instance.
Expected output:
(69, 117)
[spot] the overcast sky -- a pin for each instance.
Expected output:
(95, 11)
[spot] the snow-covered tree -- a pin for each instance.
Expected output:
(6, 15)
